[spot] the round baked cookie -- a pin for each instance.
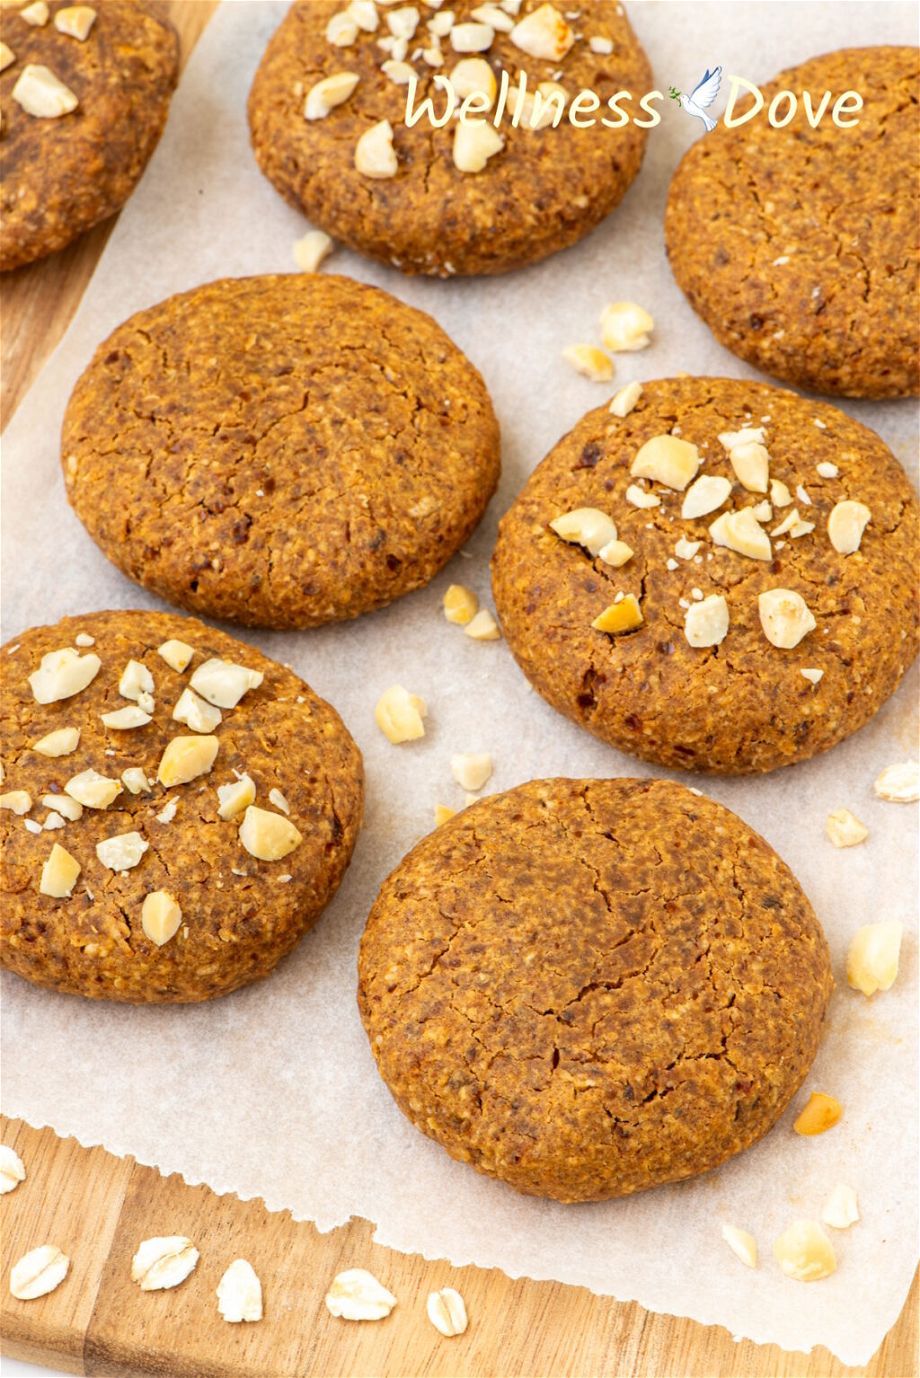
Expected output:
(280, 451)
(591, 987)
(762, 630)
(177, 809)
(403, 196)
(85, 92)
(798, 246)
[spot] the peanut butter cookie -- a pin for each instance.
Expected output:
(328, 118)
(85, 90)
(714, 574)
(280, 451)
(798, 246)
(591, 987)
(176, 809)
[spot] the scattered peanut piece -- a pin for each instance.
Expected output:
(624, 616)
(703, 496)
(195, 712)
(844, 829)
(224, 683)
(61, 674)
(668, 460)
(239, 1293)
(177, 654)
(804, 1252)
(471, 37)
(587, 527)
(472, 76)
(35, 14)
(846, 524)
(12, 1169)
(17, 801)
(123, 852)
(813, 676)
(38, 1272)
(375, 155)
(62, 803)
(488, 14)
(874, 956)
(751, 463)
(706, 622)
(460, 605)
(626, 327)
(184, 759)
(311, 250)
(821, 1112)
(268, 836)
(325, 95)
(124, 719)
(471, 769)
(136, 682)
(163, 1262)
(92, 790)
(616, 553)
(356, 1295)
(442, 813)
(39, 92)
(75, 21)
(59, 874)
(841, 1209)
(779, 494)
(639, 497)
(161, 916)
(135, 780)
(483, 627)
(626, 399)
(899, 784)
(684, 549)
(742, 533)
(785, 617)
(742, 1244)
(601, 45)
(7, 56)
(589, 361)
(341, 30)
(399, 714)
(543, 34)
(447, 1312)
(234, 797)
(400, 73)
(475, 142)
(748, 435)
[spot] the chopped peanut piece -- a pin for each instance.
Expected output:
(779, 494)
(473, 76)
(160, 916)
(400, 73)
(813, 676)
(61, 742)
(311, 250)
(749, 435)
(589, 361)
(615, 553)
(483, 627)
(587, 527)
(899, 784)
(742, 1244)
(804, 1252)
(121, 853)
(706, 623)
(785, 617)
(442, 813)
(7, 56)
(39, 92)
(136, 681)
(375, 155)
(751, 464)
(741, 532)
(35, 14)
(185, 758)
(667, 460)
(177, 654)
(92, 790)
(399, 715)
(328, 93)
(846, 524)
(626, 399)
(223, 683)
(841, 1209)
(844, 828)
(195, 712)
(471, 38)
(489, 14)
(460, 605)
(135, 780)
(624, 616)
(61, 674)
(18, 801)
(820, 1114)
(75, 21)
(63, 804)
(59, 874)
(341, 30)
(471, 770)
(543, 34)
(235, 797)
(705, 495)
(625, 327)
(874, 956)
(268, 836)
(123, 719)
(475, 142)
(638, 497)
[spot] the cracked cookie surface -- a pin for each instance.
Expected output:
(280, 451)
(544, 190)
(60, 176)
(742, 706)
(590, 987)
(239, 915)
(798, 246)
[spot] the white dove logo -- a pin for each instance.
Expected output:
(701, 97)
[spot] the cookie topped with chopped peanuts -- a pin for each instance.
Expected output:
(573, 986)
(523, 175)
(177, 809)
(798, 245)
(280, 451)
(713, 573)
(85, 90)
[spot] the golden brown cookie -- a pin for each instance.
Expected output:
(85, 91)
(177, 809)
(763, 629)
(798, 246)
(537, 189)
(591, 987)
(280, 451)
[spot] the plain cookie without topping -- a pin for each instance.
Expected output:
(541, 191)
(65, 169)
(798, 246)
(742, 704)
(281, 749)
(590, 987)
(280, 451)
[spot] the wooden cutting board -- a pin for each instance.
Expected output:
(97, 1207)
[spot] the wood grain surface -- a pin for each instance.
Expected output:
(98, 1207)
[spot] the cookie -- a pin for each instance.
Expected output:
(85, 92)
(280, 451)
(590, 987)
(739, 594)
(447, 200)
(798, 246)
(177, 809)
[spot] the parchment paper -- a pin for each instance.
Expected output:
(272, 1092)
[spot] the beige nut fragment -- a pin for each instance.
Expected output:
(399, 715)
(706, 623)
(177, 654)
(684, 549)
(620, 617)
(61, 742)
(312, 250)
(364, 13)
(17, 801)
(813, 676)
(63, 804)
(160, 918)
(588, 527)
(482, 627)
(742, 1244)
(626, 327)
(375, 155)
(75, 21)
(185, 758)
(667, 459)
(471, 37)
(751, 463)
(475, 142)
(92, 790)
(472, 76)
(38, 1272)
(59, 874)
(638, 497)
(846, 524)
(790, 520)
(493, 15)
(268, 836)
(341, 30)
(135, 780)
(400, 73)
(589, 361)
(841, 1209)
(239, 1293)
(447, 1312)
(615, 553)
(223, 683)
(278, 799)
(325, 95)
(471, 769)
(779, 494)
(544, 34)
(35, 14)
(163, 1261)
(195, 712)
(122, 852)
(844, 829)
(235, 797)
(874, 956)
(748, 435)
(12, 1169)
(136, 682)
(442, 813)
(625, 400)
(804, 1252)
(61, 674)
(899, 784)
(742, 533)
(460, 605)
(356, 1295)
(785, 617)
(705, 495)
(403, 22)
(123, 719)
(39, 92)
(7, 56)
